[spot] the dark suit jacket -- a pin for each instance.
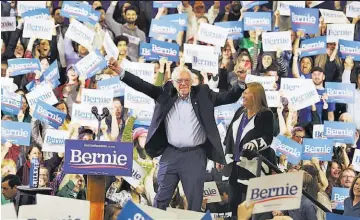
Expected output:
(203, 100)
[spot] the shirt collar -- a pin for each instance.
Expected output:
(187, 99)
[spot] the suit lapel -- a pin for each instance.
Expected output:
(195, 104)
(248, 127)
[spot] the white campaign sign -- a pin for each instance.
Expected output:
(212, 34)
(191, 49)
(272, 98)
(110, 48)
(275, 192)
(353, 10)
(206, 62)
(8, 211)
(334, 17)
(302, 97)
(143, 70)
(80, 34)
(284, 6)
(97, 97)
(24, 6)
(356, 160)
(272, 41)
(288, 84)
(82, 114)
(185, 214)
(8, 24)
(55, 140)
(41, 29)
(335, 32)
(7, 84)
(267, 82)
(211, 192)
(155, 213)
(42, 92)
(318, 131)
(137, 100)
(138, 175)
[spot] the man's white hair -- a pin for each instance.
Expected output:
(176, 73)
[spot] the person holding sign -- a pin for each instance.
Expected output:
(352, 203)
(185, 108)
(250, 130)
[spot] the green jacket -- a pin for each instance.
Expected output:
(67, 192)
(249, 45)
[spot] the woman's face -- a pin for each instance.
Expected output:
(72, 75)
(142, 140)
(44, 48)
(43, 177)
(245, 62)
(82, 51)
(305, 65)
(35, 153)
(248, 99)
(24, 105)
(19, 51)
(118, 108)
(226, 52)
(266, 61)
(62, 107)
(356, 189)
(157, 67)
(44, 64)
(335, 170)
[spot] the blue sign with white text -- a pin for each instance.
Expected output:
(340, 92)
(180, 19)
(49, 114)
(114, 84)
(305, 19)
(338, 195)
(164, 49)
(103, 158)
(51, 73)
(235, 28)
(144, 118)
(207, 216)
(225, 113)
(349, 48)
(145, 51)
(257, 20)
(164, 28)
(166, 4)
(36, 13)
(11, 102)
(78, 10)
(251, 4)
(21, 66)
(317, 148)
(18, 133)
(132, 211)
(342, 132)
(31, 86)
(290, 148)
(94, 16)
(332, 216)
(313, 46)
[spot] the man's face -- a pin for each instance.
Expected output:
(58, 18)
(318, 77)
(130, 16)
(183, 83)
(331, 46)
(122, 47)
(299, 136)
(347, 178)
(7, 191)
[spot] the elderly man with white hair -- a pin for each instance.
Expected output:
(183, 131)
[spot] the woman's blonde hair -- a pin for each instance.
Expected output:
(8, 162)
(260, 103)
(321, 59)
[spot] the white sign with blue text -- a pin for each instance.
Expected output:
(38, 28)
(208, 63)
(138, 175)
(82, 114)
(137, 100)
(55, 140)
(273, 98)
(114, 84)
(284, 6)
(257, 20)
(211, 192)
(333, 17)
(212, 34)
(317, 148)
(251, 4)
(288, 84)
(49, 114)
(18, 133)
(96, 97)
(43, 93)
(353, 9)
(275, 192)
(313, 46)
(191, 49)
(91, 64)
(318, 131)
(8, 24)
(80, 34)
(338, 195)
(342, 132)
(267, 82)
(273, 41)
(349, 48)
(234, 28)
(110, 47)
(24, 6)
(337, 32)
(302, 97)
(340, 92)
(356, 160)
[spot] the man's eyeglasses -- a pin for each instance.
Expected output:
(181, 81)
(348, 177)
(300, 137)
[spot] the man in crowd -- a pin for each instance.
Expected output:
(9, 189)
(347, 177)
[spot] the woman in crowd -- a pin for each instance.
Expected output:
(112, 211)
(352, 203)
(72, 186)
(333, 174)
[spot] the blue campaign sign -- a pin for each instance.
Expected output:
(79, 10)
(342, 132)
(317, 148)
(313, 46)
(51, 73)
(257, 20)
(91, 66)
(290, 148)
(36, 13)
(145, 51)
(112, 83)
(164, 28)
(164, 49)
(339, 195)
(331, 216)
(132, 211)
(305, 19)
(251, 4)
(207, 216)
(94, 16)
(18, 133)
(340, 92)
(31, 86)
(225, 113)
(11, 102)
(104, 158)
(21, 66)
(349, 48)
(144, 118)
(49, 114)
(166, 4)
(235, 28)
(180, 19)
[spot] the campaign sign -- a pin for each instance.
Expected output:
(288, 84)
(338, 195)
(51, 73)
(275, 192)
(80, 11)
(305, 19)
(340, 92)
(80, 34)
(211, 192)
(206, 62)
(163, 49)
(145, 51)
(342, 132)
(21, 66)
(103, 158)
(43, 93)
(211, 34)
(82, 114)
(11, 103)
(144, 117)
(337, 32)
(8, 24)
(273, 41)
(110, 47)
(302, 97)
(39, 13)
(353, 9)
(55, 140)
(266, 81)
(356, 160)
(290, 148)
(18, 133)
(96, 97)
(349, 48)
(24, 6)
(164, 28)
(91, 64)
(313, 46)
(137, 100)
(143, 70)
(317, 148)
(257, 20)
(180, 19)
(49, 114)
(166, 4)
(191, 49)
(39, 28)
(318, 131)
(333, 17)
(284, 6)
(138, 175)
(225, 113)
(94, 16)
(251, 4)
(234, 28)
(132, 211)
(273, 98)
(113, 83)
(331, 216)
(7, 84)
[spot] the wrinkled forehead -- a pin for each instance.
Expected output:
(184, 75)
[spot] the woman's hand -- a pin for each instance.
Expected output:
(245, 210)
(277, 213)
(21, 116)
(349, 63)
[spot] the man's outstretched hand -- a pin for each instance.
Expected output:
(114, 65)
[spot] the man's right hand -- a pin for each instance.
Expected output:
(114, 65)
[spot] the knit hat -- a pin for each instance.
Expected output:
(139, 131)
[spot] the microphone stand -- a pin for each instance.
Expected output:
(99, 117)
